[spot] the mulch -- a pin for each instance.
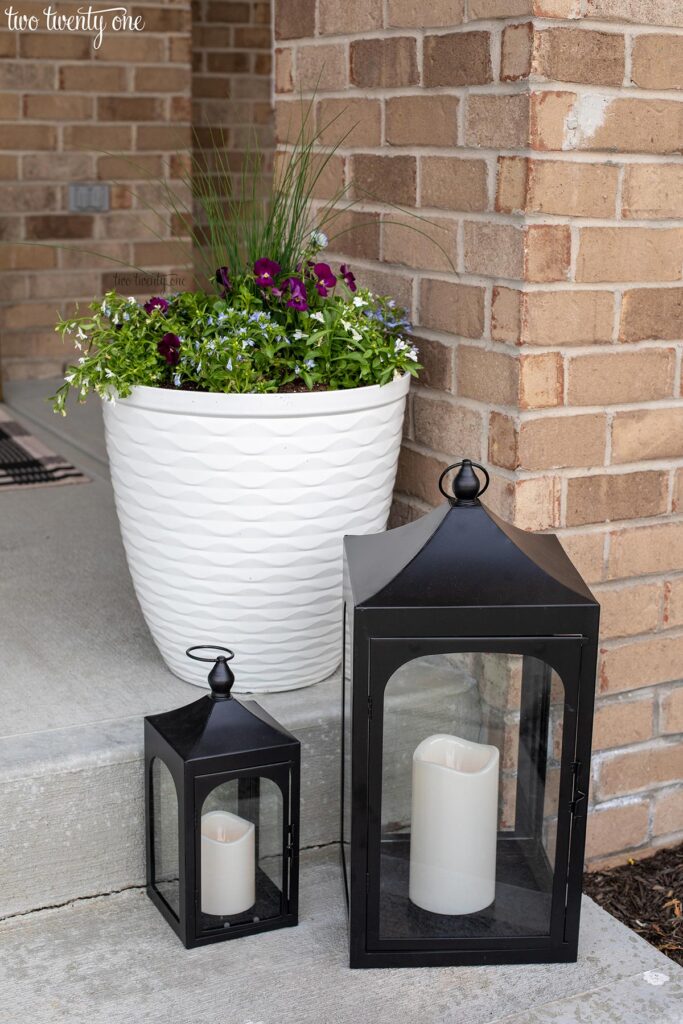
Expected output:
(647, 895)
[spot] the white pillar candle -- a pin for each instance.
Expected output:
(228, 863)
(454, 825)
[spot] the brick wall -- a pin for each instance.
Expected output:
(542, 138)
(63, 106)
(232, 80)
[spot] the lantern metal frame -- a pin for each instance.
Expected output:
(214, 740)
(452, 582)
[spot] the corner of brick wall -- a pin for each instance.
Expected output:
(542, 139)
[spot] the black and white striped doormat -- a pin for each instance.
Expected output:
(27, 462)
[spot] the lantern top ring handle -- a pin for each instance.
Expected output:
(210, 647)
(466, 487)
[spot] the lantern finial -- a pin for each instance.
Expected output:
(221, 676)
(466, 486)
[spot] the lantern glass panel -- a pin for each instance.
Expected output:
(165, 858)
(470, 783)
(241, 853)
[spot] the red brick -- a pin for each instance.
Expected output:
(454, 308)
(385, 63)
(460, 58)
(638, 663)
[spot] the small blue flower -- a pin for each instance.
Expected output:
(248, 343)
(309, 363)
(297, 369)
(209, 321)
(126, 316)
(176, 380)
(228, 366)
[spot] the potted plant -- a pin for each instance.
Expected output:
(249, 424)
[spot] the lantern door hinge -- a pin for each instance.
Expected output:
(577, 794)
(369, 707)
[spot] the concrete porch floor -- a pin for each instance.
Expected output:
(77, 673)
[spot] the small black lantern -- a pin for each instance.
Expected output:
(222, 814)
(469, 677)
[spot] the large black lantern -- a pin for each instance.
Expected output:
(222, 815)
(469, 675)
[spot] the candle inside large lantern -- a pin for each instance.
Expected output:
(453, 825)
(469, 674)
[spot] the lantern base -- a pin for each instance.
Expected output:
(521, 908)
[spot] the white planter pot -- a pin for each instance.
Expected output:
(232, 511)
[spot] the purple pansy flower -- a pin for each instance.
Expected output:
(223, 279)
(298, 298)
(169, 348)
(266, 271)
(156, 303)
(326, 278)
(349, 278)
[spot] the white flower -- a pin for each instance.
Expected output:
(298, 335)
(69, 378)
(105, 308)
(412, 354)
(228, 366)
(318, 316)
(131, 300)
(319, 239)
(81, 361)
(108, 373)
(176, 380)
(400, 344)
(81, 335)
(345, 324)
(359, 301)
(355, 335)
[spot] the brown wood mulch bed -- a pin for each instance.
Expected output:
(647, 895)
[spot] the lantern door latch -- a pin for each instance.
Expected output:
(577, 794)
(369, 707)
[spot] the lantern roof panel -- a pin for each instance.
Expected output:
(211, 727)
(461, 555)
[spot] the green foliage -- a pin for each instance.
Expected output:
(234, 218)
(246, 342)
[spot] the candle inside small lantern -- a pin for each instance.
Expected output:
(454, 825)
(228, 863)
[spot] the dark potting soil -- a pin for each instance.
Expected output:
(294, 387)
(647, 895)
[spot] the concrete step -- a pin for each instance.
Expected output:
(78, 671)
(113, 959)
